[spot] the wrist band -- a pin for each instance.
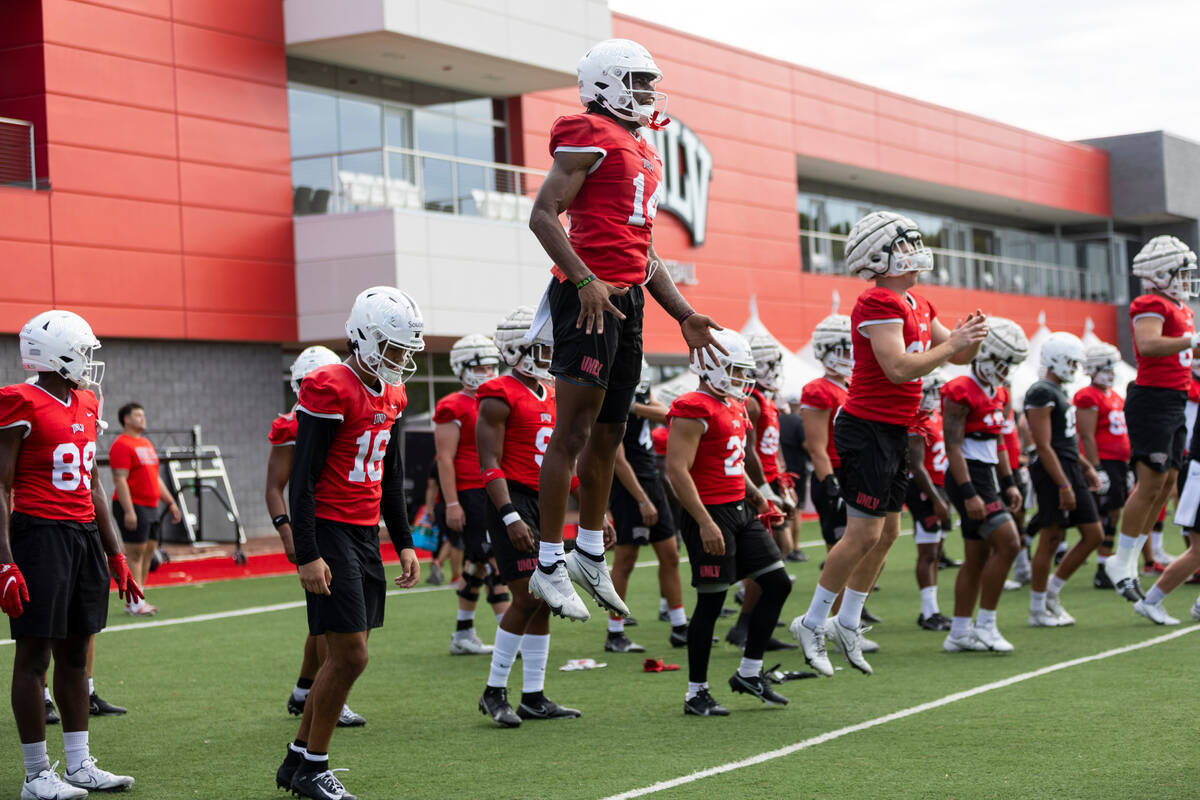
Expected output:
(643, 504)
(506, 509)
(280, 521)
(1064, 487)
(448, 505)
(1007, 481)
(510, 518)
(967, 490)
(585, 281)
(490, 475)
(686, 314)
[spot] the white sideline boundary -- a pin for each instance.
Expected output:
(897, 715)
(253, 610)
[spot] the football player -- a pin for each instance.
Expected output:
(606, 177)
(642, 515)
(1104, 440)
(474, 360)
(55, 533)
(982, 486)
(516, 418)
(346, 473)
(898, 339)
(820, 401)
(926, 499)
(725, 540)
(1062, 482)
(282, 437)
(1164, 340)
(1010, 435)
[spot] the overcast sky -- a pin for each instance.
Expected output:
(1069, 69)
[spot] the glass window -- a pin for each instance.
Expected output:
(438, 184)
(312, 122)
(435, 132)
(359, 125)
(398, 127)
(474, 140)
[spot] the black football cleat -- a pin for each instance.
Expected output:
(703, 705)
(1129, 589)
(538, 706)
(663, 616)
(1102, 581)
(319, 786)
(618, 642)
(934, 622)
(631, 622)
(737, 636)
(679, 636)
(726, 611)
(494, 704)
(797, 557)
(758, 686)
(52, 717)
(98, 707)
(295, 707)
(291, 763)
(946, 562)
(870, 618)
(775, 644)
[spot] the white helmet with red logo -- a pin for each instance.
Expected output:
(723, 375)
(63, 343)
(384, 317)
(606, 77)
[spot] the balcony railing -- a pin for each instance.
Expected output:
(397, 177)
(18, 163)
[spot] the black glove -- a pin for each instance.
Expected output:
(833, 494)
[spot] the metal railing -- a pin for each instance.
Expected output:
(822, 254)
(18, 159)
(398, 177)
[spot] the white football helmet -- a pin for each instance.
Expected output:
(1169, 265)
(384, 317)
(884, 243)
(833, 346)
(63, 343)
(931, 391)
(606, 76)
(1004, 347)
(474, 350)
(1099, 363)
(768, 361)
(1062, 353)
(532, 359)
(733, 373)
(309, 359)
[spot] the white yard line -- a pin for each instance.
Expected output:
(908, 712)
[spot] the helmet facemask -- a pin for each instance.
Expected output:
(994, 370)
(535, 361)
(478, 372)
(390, 361)
(907, 253)
(838, 358)
(1104, 377)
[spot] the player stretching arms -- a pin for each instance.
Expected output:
(606, 177)
(346, 472)
(897, 340)
(55, 530)
(724, 538)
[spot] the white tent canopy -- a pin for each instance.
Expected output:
(1026, 374)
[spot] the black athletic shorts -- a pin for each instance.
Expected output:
(66, 572)
(147, 516)
(920, 505)
(610, 360)
(750, 550)
(874, 468)
(514, 564)
(358, 588)
(627, 516)
(473, 538)
(1046, 491)
(1157, 426)
(831, 514)
(1118, 489)
(983, 478)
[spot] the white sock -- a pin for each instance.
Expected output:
(616, 625)
(750, 667)
(294, 749)
(1156, 538)
(317, 759)
(1155, 596)
(535, 652)
(35, 757)
(985, 618)
(464, 614)
(1062, 547)
(1037, 601)
(662, 605)
(499, 616)
(589, 541)
(1055, 586)
(75, 745)
(46, 693)
(1101, 559)
(850, 615)
(677, 616)
(818, 610)
(929, 603)
(91, 686)
(1022, 560)
(301, 694)
(504, 653)
(959, 626)
(695, 689)
(549, 552)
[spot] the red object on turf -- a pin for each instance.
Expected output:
(657, 665)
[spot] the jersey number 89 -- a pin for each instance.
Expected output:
(71, 467)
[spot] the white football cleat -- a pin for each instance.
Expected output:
(89, 776)
(593, 576)
(812, 644)
(963, 644)
(1196, 610)
(1054, 606)
(1043, 619)
(850, 642)
(46, 785)
(1156, 613)
(1163, 557)
(464, 643)
(989, 636)
(556, 591)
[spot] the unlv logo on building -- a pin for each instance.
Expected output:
(687, 169)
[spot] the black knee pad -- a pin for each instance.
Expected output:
(1110, 530)
(775, 582)
(470, 587)
(615, 408)
(495, 598)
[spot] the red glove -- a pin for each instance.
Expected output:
(772, 517)
(127, 588)
(922, 425)
(787, 480)
(12, 590)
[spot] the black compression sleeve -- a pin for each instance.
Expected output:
(392, 505)
(314, 435)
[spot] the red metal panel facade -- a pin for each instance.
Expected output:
(163, 131)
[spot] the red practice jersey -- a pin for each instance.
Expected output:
(1112, 438)
(53, 474)
(822, 394)
(872, 396)
(766, 433)
(986, 414)
(611, 216)
(659, 437)
(136, 454)
(936, 462)
(460, 408)
(1173, 371)
(349, 490)
(283, 430)
(719, 468)
(1012, 439)
(527, 429)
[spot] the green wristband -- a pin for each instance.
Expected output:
(585, 281)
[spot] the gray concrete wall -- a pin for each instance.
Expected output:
(1182, 167)
(1136, 165)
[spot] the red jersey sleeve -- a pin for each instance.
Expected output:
(120, 454)
(449, 410)
(283, 430)
(497, 388)
(320, 395)
(956, 391)
(1086, 398)
(687, 407)
(575, 134)
(816, 394)
(878, 306)
(1148, 305)
(14, 409)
